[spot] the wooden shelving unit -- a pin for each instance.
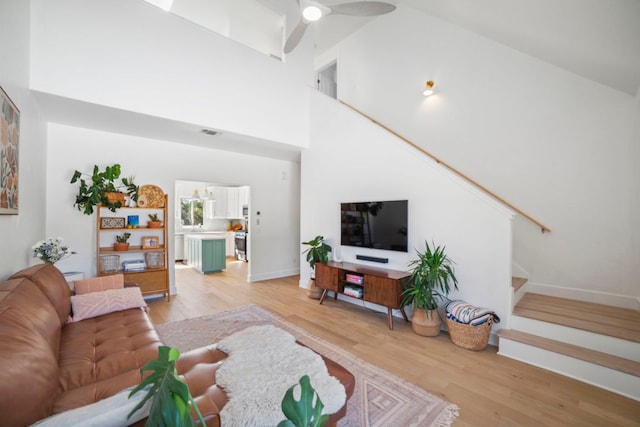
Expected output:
(152, 281)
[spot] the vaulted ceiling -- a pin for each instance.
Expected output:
(596, 39)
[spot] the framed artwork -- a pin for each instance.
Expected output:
(150, 242)
(111, 222)
(9, 136)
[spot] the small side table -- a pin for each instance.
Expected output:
(70, 276)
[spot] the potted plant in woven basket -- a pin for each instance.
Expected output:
(102, 188)
(318, 251)
(432, 277)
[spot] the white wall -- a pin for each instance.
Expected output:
(274, 242)
(351, 160)
(19, 232)
(136, 57)
(248, 22)
(558, 146)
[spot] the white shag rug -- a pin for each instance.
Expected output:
(263, 363)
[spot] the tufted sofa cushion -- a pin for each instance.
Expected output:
(52, 284)
(29, 335)
(102, 355)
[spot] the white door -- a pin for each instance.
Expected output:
(328, 80)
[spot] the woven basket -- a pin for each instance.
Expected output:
(154, 259)
(470, 337)
(115, 197)
(109, 263)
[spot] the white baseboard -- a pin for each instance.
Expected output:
(272, 275)
(622, 301)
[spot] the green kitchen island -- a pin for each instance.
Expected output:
(206, 253)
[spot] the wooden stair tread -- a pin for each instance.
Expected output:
(592, 356)
(599, 318)
(518, 282)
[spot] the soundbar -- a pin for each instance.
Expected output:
(372, 258)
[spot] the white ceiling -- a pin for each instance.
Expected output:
(597, 39)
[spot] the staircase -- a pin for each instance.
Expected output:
(594, 343)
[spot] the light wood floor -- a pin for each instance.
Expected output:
(489, 389)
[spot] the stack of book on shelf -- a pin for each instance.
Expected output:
(353, 291)
(354, 278)
(134, 265)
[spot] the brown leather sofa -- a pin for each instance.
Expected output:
(50, 366)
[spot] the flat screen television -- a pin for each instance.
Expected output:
(375, 225)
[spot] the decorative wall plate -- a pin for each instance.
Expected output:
(150, 196)
(112, 222)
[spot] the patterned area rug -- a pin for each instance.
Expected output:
(379, 399)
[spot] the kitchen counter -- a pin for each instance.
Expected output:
(207, 236)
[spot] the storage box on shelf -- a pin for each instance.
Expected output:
(376, 285)
(153, 276)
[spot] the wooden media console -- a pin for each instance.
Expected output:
(379, 286)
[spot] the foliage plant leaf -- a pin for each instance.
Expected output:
(91, 191)
(318, 251)
(170, 395)
(303, 412)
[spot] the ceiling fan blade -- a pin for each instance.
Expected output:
(362, 8)
(295, 36)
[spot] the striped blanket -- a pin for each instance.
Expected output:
(462, 312)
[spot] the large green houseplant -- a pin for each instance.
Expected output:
(318, 251)
(97, 188)
(432, 278)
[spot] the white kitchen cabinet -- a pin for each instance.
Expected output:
(220, 194)
(233, 203)
(210, 208)
(244, 197)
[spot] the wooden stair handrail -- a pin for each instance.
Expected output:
(543, 227)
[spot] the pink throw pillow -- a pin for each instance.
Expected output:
(98, 284)
(96, 304)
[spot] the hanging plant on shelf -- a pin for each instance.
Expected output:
(102, 188)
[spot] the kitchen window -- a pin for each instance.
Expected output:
(191, 212)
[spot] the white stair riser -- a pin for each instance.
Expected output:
(517, 295)
(609, 379)
(605, 344)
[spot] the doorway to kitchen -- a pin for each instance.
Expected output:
(211, 212)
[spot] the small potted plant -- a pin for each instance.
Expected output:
(102, 188)
(431, 278)
(154, 221)
(121, 243)
(318, 251)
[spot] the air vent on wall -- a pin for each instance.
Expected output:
(210, 132)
